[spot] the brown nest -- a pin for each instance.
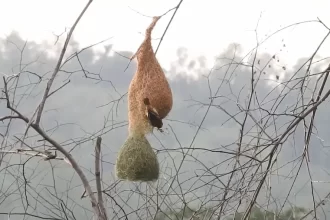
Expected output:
(149, 82)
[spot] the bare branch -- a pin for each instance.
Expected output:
(98, 177)
(58, 65)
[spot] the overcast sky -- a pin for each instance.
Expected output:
(199, 32)
(205, 28)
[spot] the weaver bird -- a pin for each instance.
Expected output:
(153, 115)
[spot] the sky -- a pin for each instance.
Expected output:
(204, 28)
(199, 30)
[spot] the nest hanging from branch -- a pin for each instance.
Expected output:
(149, 101)
(149, 82)
(137, 161)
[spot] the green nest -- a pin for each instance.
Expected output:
(136, 161)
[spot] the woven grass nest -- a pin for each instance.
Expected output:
(136, 160)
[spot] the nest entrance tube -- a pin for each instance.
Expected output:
(136, 160)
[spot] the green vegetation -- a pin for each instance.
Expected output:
(257, 213)
(261, 214)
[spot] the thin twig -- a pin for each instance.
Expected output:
(277, 143)
(58, 65)
(168, 25)
(98, 177)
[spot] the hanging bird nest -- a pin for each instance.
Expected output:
(149, 82)
(149, 101)
(137, 161)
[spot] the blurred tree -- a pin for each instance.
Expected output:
(257, 213)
